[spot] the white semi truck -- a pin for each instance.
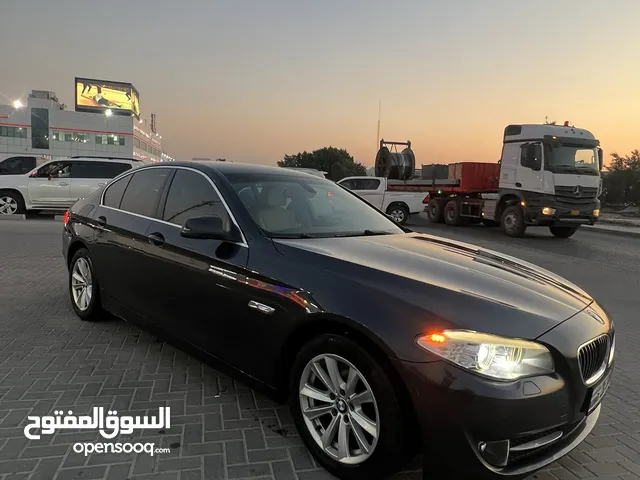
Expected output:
(548, 175)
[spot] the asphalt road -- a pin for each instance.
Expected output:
(220, 429)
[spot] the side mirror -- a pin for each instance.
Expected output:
(209, 228)
(600, 159)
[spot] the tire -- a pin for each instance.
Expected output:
(82, 266)
(435, 210)
(512, 221)
(387, 453)
(398, 213)
(11, 203)
(452, 213)
(563, 232)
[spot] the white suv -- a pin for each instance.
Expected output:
(56, 185)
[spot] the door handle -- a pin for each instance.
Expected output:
(261, 307)
(102, 184)
(156, 239)
(63, 184)
(518, 184)
(102, 221)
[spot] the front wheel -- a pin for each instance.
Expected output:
(346, 410)
(512, 221)
(563, 232)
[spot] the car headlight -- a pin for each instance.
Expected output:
(499, 358)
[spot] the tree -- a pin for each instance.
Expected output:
(336, 162)
(622, 180)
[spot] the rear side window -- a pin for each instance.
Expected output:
(114, 192)
(191, 195)
(142, 194)
(104, 170)
(365, 184)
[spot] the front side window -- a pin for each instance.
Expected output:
(291, 206)
(54, 170)
(191, 195)
(143, 192)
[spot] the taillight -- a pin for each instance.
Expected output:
(425, 200)
(65, 218)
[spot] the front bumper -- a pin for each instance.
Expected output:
(459, 412)
(564, 214)
(489, 429)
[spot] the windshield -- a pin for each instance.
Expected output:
(574, 159)
(295, 207)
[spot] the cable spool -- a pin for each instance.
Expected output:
(395, 165)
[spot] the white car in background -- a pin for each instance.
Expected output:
(399, 204)
(57, 184)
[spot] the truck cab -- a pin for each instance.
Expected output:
(549, 176)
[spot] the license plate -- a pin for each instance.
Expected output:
(574, 212)
(599, 392)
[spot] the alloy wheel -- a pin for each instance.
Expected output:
(81, 283)
(397, 215)
(339, 409)
(8, 205)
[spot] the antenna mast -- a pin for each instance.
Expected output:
(378, 137)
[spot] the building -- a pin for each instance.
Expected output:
(43, 127)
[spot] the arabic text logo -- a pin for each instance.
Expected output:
(109, 426)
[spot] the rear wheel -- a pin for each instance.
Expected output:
(398, 213)
(11, 203)
(563, 232)
(512, 221)
(452, 213)
(435, 210)
(346, 410)
(84, 289)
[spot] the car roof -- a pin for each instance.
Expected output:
(98, 159)
(225, 168)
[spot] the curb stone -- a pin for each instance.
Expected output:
(613, 231)
(13, 217)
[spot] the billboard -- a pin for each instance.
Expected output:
(100, 95)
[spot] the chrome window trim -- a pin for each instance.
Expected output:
(132, 171)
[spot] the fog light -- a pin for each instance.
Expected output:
(596, 212)
(548, 211)
(495, 453)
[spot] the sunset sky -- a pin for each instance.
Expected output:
(252, 80)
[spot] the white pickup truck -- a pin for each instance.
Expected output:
(396, 203)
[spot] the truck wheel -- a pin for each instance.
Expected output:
(435, 210)
(398, 213)
(451, 213)
(563, 232)
(512, 221)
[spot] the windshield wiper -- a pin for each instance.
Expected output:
(291, 235)
(363, 233)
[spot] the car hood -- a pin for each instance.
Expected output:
(544, 298)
